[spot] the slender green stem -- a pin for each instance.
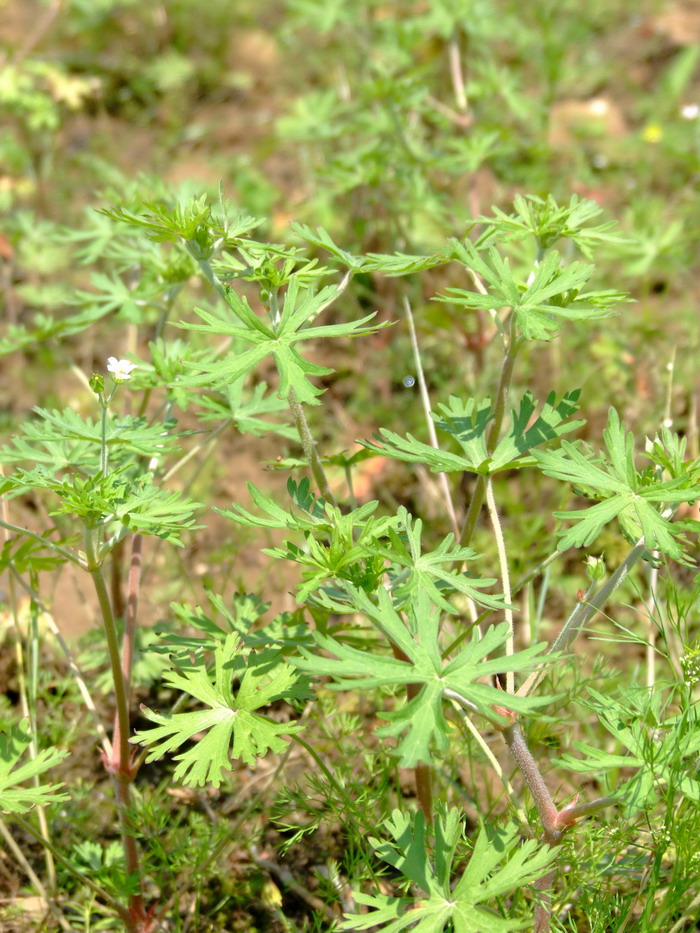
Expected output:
(120, 765)
(499, 411)
(206, 269)
(110, 628)
(42, 540)
(505, 579)
(74, 669)
(309, 447)
(425, 398)
(195, 450)
(496, 765)
(28, 695)
(21, 860)
(585, 610)
(103, 437)
(487, 612)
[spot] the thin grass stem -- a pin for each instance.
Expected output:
(505, 579)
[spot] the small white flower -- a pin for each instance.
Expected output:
(690, 111)
(598, 107)
(121, 370)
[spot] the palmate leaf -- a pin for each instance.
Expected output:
(421, 721)
(300, 307)
(62, 439)
(308, 511)
(628, 495)
(285, 632)
(134, 501)
(433, 572)
(438, 903)
(549, 222)
(245, 408)
(663, 752)
(230, 722)
(468, 422)
(550, 296)
(114, 296)
(14, 741)
(321, 238)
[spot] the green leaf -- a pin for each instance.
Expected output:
(322, 239)
(663, 752)
(628, 495)
(396, 264)
(14, 741)
(431, 573)
(422, 721)
(244, 410)
(97, 500)
(277, 340)
(552, 294)
(63, 439)
(308, 511)
(468, 422)
(438, 904)
(232, 727)
(285, 632)
(548, 222)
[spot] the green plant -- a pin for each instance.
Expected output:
(398, 612)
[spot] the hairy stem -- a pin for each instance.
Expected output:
(548, 815)
(309, 447)
(42, 540)
(132, 603)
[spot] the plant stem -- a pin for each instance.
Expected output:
(132, 602)
(499, 411)
(496, 765)
(548, 815)
(103, 436)
(42, 540)
(195, 450)
(554, 822)
(425, 398)
(585, 610)
(456, 75)
(309, 447)
(505, 579)
(120, 765)
(74, 669)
